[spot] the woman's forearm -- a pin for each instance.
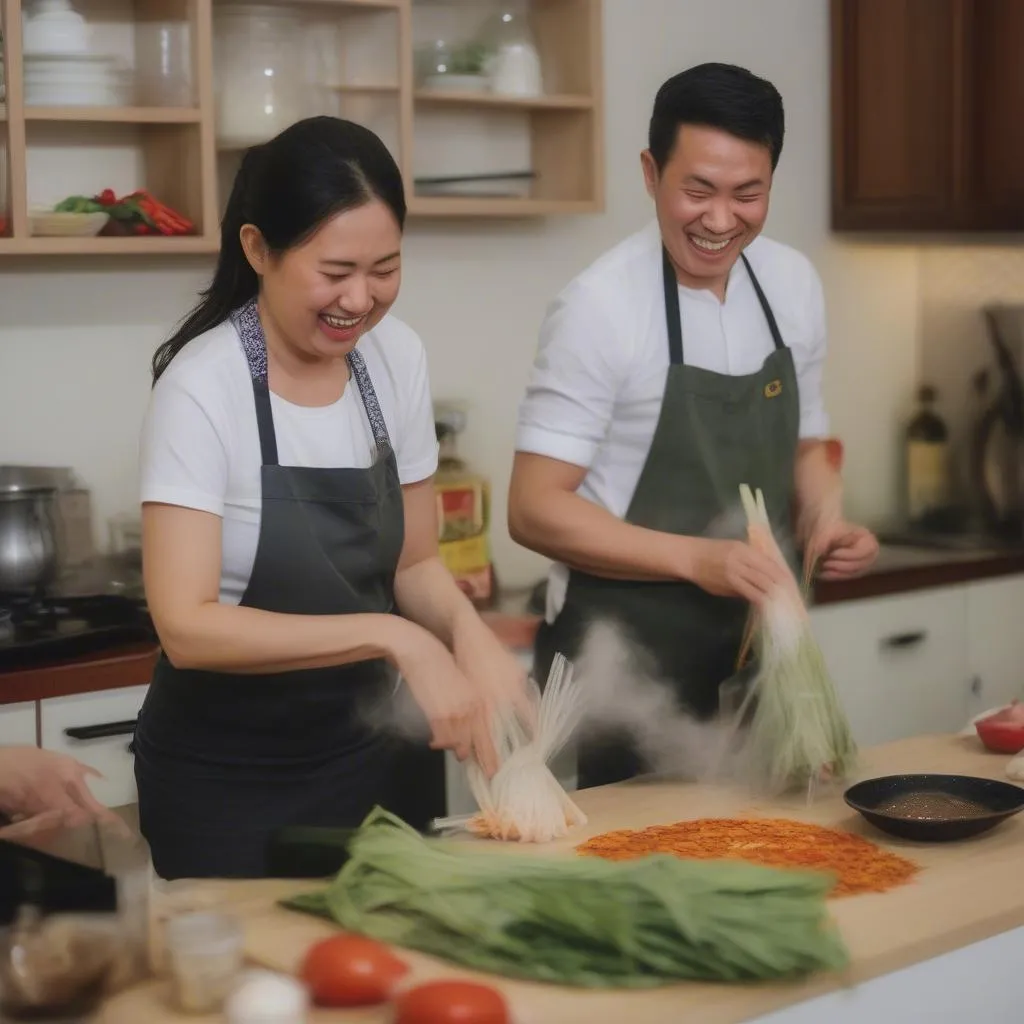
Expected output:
(427, 594)
(227, 638)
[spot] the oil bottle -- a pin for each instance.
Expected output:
(927, 461)
(463, 511)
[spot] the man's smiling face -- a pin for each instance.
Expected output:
(711, 199)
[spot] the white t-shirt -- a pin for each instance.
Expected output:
(200, 443)
(595, 391)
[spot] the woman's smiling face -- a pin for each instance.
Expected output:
(326, 293)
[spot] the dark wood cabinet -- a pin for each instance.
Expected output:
(928, 115)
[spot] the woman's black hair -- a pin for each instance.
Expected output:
(288, 187)
(717, 96)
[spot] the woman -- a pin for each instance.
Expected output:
(288, 510)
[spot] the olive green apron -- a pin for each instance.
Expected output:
(714, 433)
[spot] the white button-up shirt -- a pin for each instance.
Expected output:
(595, 391)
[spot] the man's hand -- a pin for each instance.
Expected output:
(734, 568)
(841, 550)
(50, 787)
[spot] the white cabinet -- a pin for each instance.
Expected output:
(97, 728)
(899, 662)
(995, 641)
(18, 724)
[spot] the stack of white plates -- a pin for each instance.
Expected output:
(83, 79)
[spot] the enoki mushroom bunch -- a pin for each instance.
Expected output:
(798, 732)
(524, 801)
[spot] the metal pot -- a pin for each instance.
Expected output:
(28, 539)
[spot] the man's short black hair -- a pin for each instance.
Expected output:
(717, 96)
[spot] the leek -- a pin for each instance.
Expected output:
(580, 921)
(798, 733)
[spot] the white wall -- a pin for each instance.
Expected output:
(956, 284)
(75, 338)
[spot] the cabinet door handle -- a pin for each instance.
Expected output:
(900, 640)
(99, 732)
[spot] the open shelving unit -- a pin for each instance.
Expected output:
(57, 151)
(551, 144)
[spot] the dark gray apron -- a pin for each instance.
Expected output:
(714, 433)
(224, 760)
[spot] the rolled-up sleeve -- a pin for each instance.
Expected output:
(814, 421)
(574, 380)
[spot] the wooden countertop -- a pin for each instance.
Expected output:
(900, 570)
(105, 670)
(966, 892)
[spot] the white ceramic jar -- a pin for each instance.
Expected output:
(259, 85)
(55, 27)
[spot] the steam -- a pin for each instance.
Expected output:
(622, 693)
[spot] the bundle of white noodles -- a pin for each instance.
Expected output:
(524, 801)
(798, 733)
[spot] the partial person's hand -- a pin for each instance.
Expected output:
(493, 670)
(41, 789)
(841, 550)
(734, 568)
(454, 707)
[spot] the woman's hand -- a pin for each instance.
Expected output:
(42, 789)
(455, 709)
(493, 670)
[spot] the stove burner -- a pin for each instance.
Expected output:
(35, 629)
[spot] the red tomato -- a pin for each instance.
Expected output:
(349, 970)
(451, 1002)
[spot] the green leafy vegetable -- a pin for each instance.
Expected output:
(578, 920)
(799, 731)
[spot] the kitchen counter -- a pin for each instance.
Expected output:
(967, 892)
(898, 570)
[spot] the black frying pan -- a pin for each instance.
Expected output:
(935, 808)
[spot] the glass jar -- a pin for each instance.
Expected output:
(514, 65)
(259, 81)
(163, 62)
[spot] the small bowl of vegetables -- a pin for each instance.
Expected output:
(46, 222)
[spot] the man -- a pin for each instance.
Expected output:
(683, 363)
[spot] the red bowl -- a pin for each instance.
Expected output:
(1002, 732)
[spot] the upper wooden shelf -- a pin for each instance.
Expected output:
(498, 207)
(545, 151)
(434, 97)
(116, 115)
(109, 246)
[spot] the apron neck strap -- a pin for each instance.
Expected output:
(673, 319)
(246, 321)
(357, 367)
(768, 314)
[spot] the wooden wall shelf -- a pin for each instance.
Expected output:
(553, 142)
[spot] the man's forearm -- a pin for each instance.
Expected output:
(569, 529)
(819, 489)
